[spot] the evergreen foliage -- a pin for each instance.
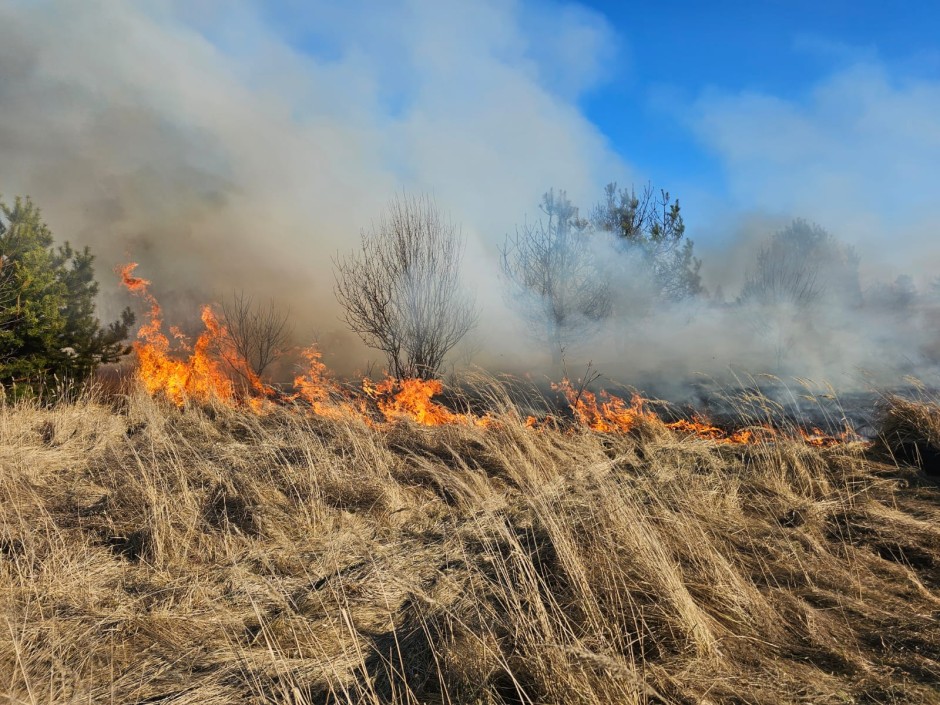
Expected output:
(651, 227)
(48, 327)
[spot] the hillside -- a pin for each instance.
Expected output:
(210, 555)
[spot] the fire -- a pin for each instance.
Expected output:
(610, 415)
(821, 439)
(607, 413)
(205, 371)
(706, 431)
(411, 399)
(313, 384)
(324, 396)
(199, 375)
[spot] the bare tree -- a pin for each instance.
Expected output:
(800, 273)
(255, 335)
(801, 266)
(554, 276)
(401, 291)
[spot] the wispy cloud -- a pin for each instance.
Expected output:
(859, 153)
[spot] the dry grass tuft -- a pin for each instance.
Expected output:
(909, 430)
(153, 555)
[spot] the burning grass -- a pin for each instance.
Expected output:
(207, 372)
(211, 554)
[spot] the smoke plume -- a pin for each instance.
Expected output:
(244, 145)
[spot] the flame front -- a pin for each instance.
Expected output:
(199, 375)
(411, 399)
(204, 372)
(610, 415)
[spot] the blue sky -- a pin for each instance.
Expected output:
(668, 54)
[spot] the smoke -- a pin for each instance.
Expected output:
(206, 142)
(245, 144)
(858, 152)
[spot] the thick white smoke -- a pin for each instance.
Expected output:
(244, 144)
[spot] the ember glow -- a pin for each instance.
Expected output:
(208, 370)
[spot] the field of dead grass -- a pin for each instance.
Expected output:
(153, 555)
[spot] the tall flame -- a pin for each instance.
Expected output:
(324, 396)
(199, 375)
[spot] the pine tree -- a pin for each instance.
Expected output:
(653, 228)
(48, 325)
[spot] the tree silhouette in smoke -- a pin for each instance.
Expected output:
(801, 273)
(555, 280)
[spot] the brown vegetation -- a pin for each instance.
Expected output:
(212, 555)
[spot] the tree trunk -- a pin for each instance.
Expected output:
(554, 337)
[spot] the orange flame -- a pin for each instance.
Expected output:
(199, 376)
(199, 373)
(703, 429)
(324, 396)
(610, 415)
(613, 415)
(411, 399)
(821, 439)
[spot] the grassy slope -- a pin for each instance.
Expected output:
(149, 555)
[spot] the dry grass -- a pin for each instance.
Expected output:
(149, 555)
(909, 431)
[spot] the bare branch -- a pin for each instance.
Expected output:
(555, 280)
(256, 334)
(401, 291)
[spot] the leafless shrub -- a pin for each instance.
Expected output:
(800, 273)
(553, 273)
(401, 292)
(256, 334)
(801, 265)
